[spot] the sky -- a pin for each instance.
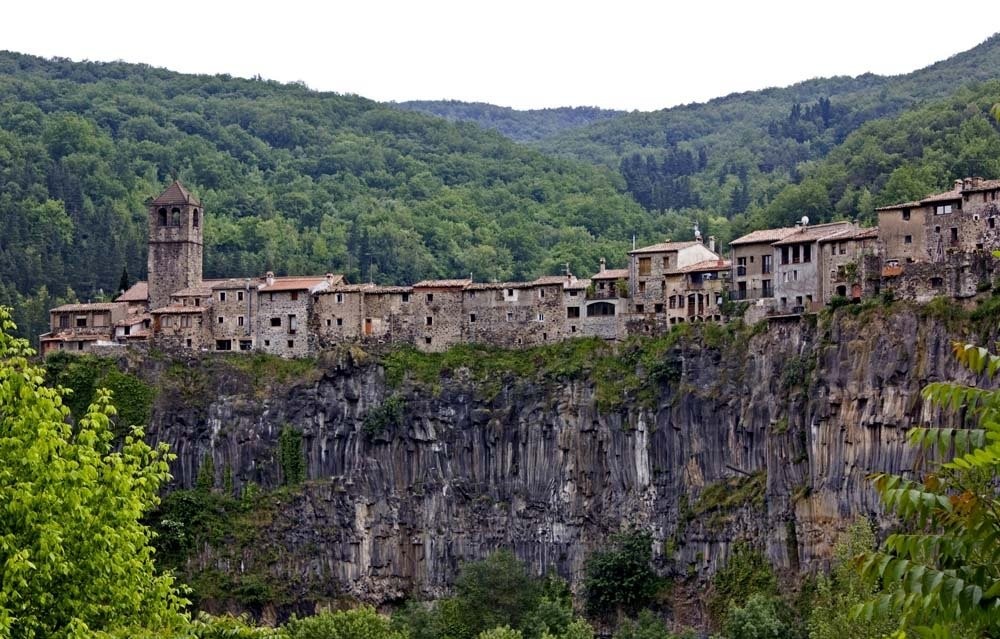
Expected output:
(624, 54)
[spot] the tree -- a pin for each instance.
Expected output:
(359, 623)
(621, 577)
(944, 573)
(495, 592)
(759, 618)
(74, 558)
(123, 282)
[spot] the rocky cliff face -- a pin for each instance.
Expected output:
(763, 438)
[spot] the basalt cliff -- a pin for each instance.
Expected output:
(412, 463)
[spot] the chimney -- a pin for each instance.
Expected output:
(603, 265)
(711, 243)
(269, 277)
(958, 185)
(329, 278)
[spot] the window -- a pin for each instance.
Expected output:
(765, 263)
(906, 214)
(239, 320)
(573, 293)
(406, 298)
(239, 296)
(658, 308)
(640, 308)
(541, 293)
(339, 298)
(666, 262)
(992, 222)
(642, 287)
(843, 248)
(908, 239)
(941, 209)
(784, 255)
(162, 213)
(680, 301)
(428, 321)
(267, 342)
(222, 320)
(291, 343)
(427, 340)
(246, 345)
(541, 317)
(294, 295)
(807, 253)
(937, 282)
(572, 329)
(81, 321)
(472, 317)
(573, 312)
(430, 297)
(223, 345)
(601, 309)
(194, 219)
(293, 324)
(645, 264)
(275, 321)
(197, 301)
(672, 302)
(64, 320)
(340, 321)
(937, 229)
(165, 321)
(510, 317)
(188, 342)
(510, 292)
(222, 296)
(796, 254)
(185, 321)
(175, 216)
(328, 322)
(545, 336)
(954, 234)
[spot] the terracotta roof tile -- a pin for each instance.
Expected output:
(815, 233)
(138, 292)
(370, 289)
(664, 246)
(611, 274)
(298, 283)
(194, 291)
(175, 194)
(177, 309)
(707, 266)
(763, 236)
(443, 283)
(95, 306)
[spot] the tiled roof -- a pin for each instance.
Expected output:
(551, 280)
(707, 266)
(814, 233)
(194, 291)
(496, 286)
(371, 289)
(942, 197)
(132, 320)
(442, 284)
(763, 236)
(175, 194)
(70, 336)
(578, 283)
(235, 283)
(664, 246)
(96, 306)
(297, 283)
(138, 292)
(611, 274)
(177, 309)
(903, 205)
(865, 234)
(984, 185)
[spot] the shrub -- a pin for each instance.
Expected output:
(621, 577)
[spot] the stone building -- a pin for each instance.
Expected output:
(175, 244)
(80, 327)
(696, 292)
(798, 286)
(752, 258)
(181, 326)
(438, 313)
(650, 266)
(363, 312)
(284, 305)
(842, 263)
(962, 219)
(234, 314)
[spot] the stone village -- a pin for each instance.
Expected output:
(938, 246)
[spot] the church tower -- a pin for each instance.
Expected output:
(175, 243)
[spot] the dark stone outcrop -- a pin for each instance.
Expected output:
(784, 424)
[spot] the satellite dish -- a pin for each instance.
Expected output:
(805, 220)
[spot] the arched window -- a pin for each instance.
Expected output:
(600, 309)
(163, 216)
(194, 219)
(175, 216)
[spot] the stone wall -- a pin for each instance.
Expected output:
(275, 331)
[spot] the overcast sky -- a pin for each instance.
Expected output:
(621, 54)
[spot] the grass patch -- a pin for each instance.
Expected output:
(264, 369)
(732, 494)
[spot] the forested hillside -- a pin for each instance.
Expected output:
(725, 155)
(523, 126)
(292, 180)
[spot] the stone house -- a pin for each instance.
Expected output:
(607, 303)
(798, 286)
(514, 314)
(575, 304)
(234, 314)
(362, 312)
(80, 327)
(962, 219)
(696, 292)
(284, 305)
(842, 263)
(181, 326)
(752, 258)
(649, 267)
(438, 313)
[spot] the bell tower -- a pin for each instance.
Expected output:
(175, 243)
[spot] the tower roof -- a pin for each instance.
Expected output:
(176, 194)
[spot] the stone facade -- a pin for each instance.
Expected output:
(752, 258)
(175, 244)
(797, 258)
(841, 263)
(234, 315)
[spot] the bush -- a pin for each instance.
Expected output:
(621, 577)
(746, 573)
(760, 618)
(360, 623)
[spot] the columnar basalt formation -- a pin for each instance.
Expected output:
(765, 439)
